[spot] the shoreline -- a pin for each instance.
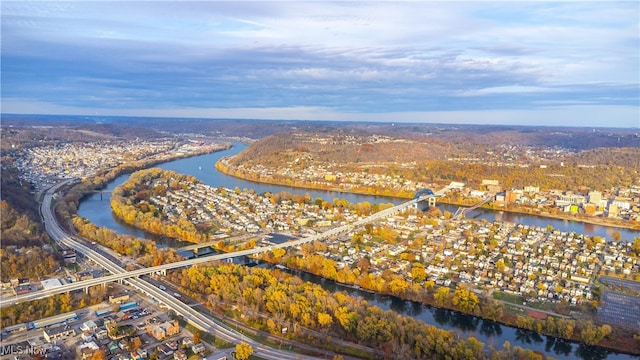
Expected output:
(596, 221)
(592, 221)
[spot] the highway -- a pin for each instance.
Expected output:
(197, 319)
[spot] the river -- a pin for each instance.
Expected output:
(492, 334)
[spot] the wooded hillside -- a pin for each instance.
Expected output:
(464, 157)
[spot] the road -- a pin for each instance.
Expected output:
(197, 319)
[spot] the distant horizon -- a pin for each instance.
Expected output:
(113, 119)
(463, 62)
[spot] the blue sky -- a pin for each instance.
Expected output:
(480, 62)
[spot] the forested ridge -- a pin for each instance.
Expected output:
(23, 253)
(434, 160)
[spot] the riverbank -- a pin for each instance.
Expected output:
(223, 168)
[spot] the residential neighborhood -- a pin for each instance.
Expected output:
(43, 166)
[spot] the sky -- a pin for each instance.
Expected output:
(479, 62)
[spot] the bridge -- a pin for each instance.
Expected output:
(101, 192)
(462, 211)
(119, 274)
(212, 244)
(426, 198)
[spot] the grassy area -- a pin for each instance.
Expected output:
(514, 310)
(73, 267)
(511, 298)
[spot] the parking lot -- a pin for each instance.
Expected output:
(629, 284)
(620, 309)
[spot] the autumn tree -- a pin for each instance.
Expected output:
(243, 351)
(135, 343)
(441, 296)
(636, 246)
(98, 355)
(464, 299)
(325, 320)
(418, 273)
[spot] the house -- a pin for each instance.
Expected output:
(198, 348)
(161, 331)
(86, 336)
(102, 334)
(123, 344)
(165, 350)
(87, 350)
(69, 256)
(113, 347)
(89, 325)
(85, 275)
(141, 353)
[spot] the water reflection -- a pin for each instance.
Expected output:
(463, 322)
(591, 353)
(416, 309)
(399, 305)
(490, 328)
(441, 316)
(559, 346)
(528, 336)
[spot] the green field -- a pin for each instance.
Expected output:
(510, 298)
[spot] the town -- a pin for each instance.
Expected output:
(127, 326)
(43, 166)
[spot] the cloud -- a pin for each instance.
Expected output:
(351, 58)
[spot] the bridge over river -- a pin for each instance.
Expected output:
(427, 197)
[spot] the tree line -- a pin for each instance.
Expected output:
(146, 251)
(53, 305)
(27, 251)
